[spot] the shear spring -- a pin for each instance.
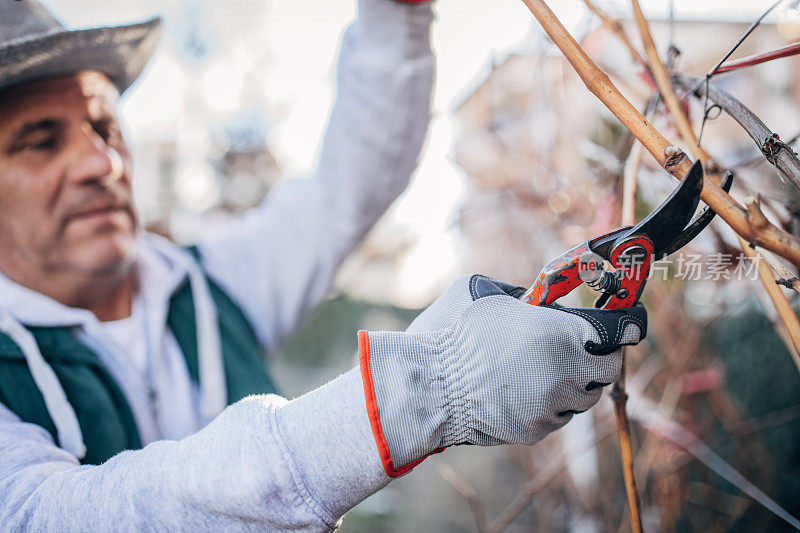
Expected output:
(608, 283)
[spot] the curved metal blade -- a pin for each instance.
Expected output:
(699, 222)
(667, 222)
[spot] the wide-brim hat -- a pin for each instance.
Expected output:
(35, 45)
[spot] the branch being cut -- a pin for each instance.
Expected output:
(771, 238)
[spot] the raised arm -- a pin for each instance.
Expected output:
(279, 260)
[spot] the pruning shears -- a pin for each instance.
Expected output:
(630, 250)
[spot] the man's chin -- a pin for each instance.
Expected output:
(106, 255)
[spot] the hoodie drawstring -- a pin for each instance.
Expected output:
(213, 389)
(70, 437)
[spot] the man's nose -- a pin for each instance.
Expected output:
(95, 160)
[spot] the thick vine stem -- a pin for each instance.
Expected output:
(771, 238)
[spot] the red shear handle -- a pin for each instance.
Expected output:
(557, 278)
(631, 258)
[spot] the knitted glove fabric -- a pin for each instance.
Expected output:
(481, 367)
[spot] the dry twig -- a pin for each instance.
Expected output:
(541, 480)
(618, 393)
(779, 300)
(664, 84)
(776, 151)
(466, 490)
(615, 27)
(783, 276)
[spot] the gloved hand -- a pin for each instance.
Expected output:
(481, 367)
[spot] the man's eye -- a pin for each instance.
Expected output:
(48, 143)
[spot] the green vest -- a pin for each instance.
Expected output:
(103, 413)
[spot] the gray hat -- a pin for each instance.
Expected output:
(35, 45)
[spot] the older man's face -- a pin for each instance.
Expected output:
(65, 189)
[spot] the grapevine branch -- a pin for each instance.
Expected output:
(749, 61)
(618, 392)
(665, 85)
(779, 300)
(769, 237)
(616, 28)
(748, 223)
(777, 152)
(756, 217)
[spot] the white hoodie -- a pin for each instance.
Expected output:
(262, 463)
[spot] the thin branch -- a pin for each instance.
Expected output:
(620, 398)
(766, 421)
(652, 420)
(671, 26)
(774, 319)
(466, 490)
(757, 59)
(615, 26)
(629, 173)
(776, 151)
(744, 36)
(779, 300)
(618, 394)
(772, 238)
(715, 69)
(664, 84)
(542, 478)
(783, 276)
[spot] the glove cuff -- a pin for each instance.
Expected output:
(383, 374)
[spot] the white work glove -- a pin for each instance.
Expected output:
(481, 367)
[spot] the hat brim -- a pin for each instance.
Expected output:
(120, 52)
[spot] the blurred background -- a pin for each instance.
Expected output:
(520, 164)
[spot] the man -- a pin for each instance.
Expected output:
(119, 351)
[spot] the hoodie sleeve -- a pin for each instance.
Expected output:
(263, 464)
(278, 261)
